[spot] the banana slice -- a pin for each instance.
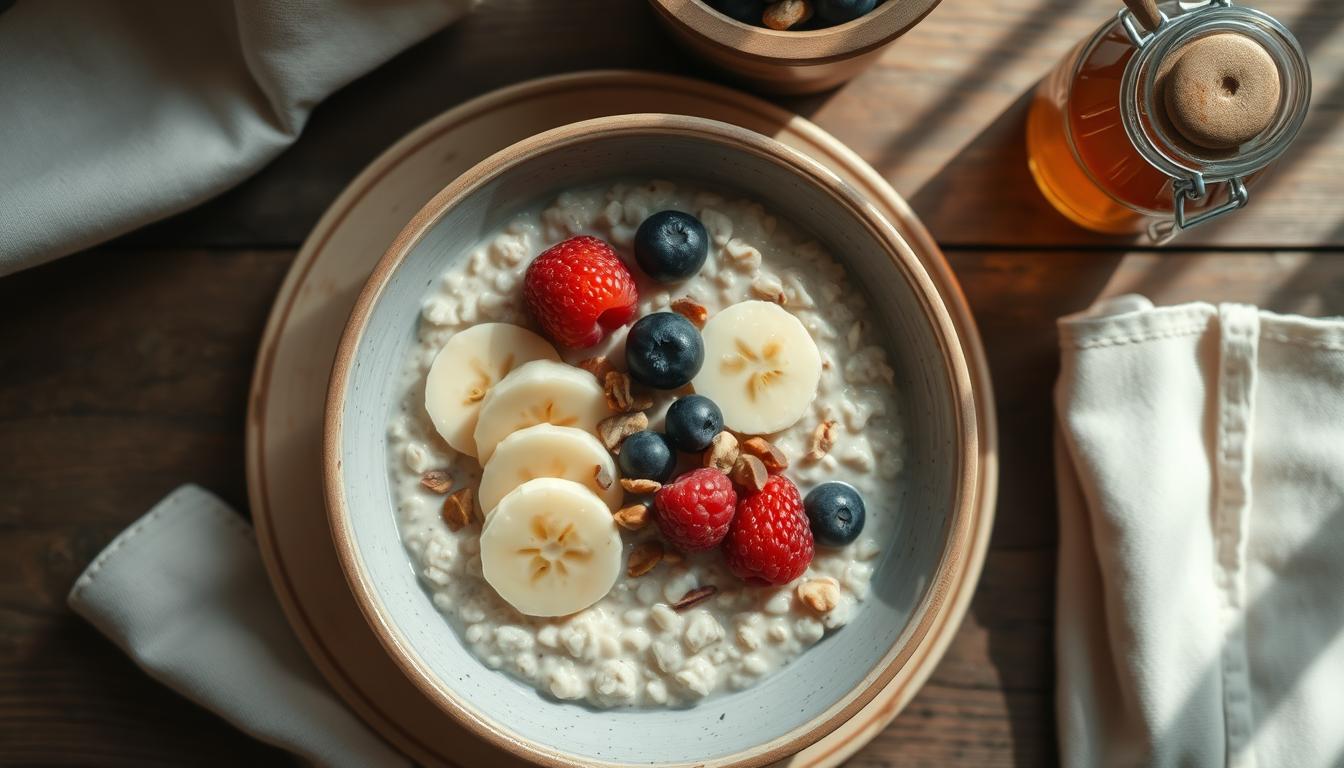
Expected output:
(467, 367)
(761, 367)
(539, 392)
(545, 450)
(551, 548)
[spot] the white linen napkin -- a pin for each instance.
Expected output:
(183, 592)
(1200, 462)
(115, 114)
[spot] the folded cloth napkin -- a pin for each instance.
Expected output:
(183, 593)
(115, 114)
(1200, 458)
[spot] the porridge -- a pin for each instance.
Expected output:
(638, 535)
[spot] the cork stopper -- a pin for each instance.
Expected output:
(1221, 91)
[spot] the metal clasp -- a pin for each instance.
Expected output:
(1193, 189)
(1137, 36)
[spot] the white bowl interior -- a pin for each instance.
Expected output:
(728, 724)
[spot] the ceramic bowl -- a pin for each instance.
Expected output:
(789, 61)
(941, 497)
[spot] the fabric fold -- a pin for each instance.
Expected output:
(182, 591)
(1192, 464)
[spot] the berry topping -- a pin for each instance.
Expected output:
(694, 512)
(692, 423)
(647, 456)
(841, 11)
(769, 541)
(671, 246)
(836, 513)
(579, 290)
(664, 350)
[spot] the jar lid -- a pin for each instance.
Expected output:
(1214, 93)
(1220, 91)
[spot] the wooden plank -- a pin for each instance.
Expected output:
(130, 376)
(941, 116)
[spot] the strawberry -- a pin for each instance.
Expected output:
(694, 511)
(579, 290)
(769, 541)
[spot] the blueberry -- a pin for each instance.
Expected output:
(841, 11)
(692, 422)
(671, 246)
(664, 350)
(836, 513)
(647, 456)
(745, 11)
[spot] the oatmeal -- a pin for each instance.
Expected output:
(661, 622)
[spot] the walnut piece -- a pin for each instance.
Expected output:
(458, 510)
(633, 517)
(749, 472)
(695, 597)
(773, 458)
(722, 453)
(437, 481)
(691, 310)
(598, 366)
(602, 477)
(823, 440)
(637, 485)
(614, 429)
(821, 595)
(616, 386)
(643, 558)
(784, 14)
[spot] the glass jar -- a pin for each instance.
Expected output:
(1110, 149)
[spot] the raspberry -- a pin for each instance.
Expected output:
(578, 290)
(770, 541)
(695, 510)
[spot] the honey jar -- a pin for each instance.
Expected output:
(1167, 116)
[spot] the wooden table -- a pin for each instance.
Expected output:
(124, 370)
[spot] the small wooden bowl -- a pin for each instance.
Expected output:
(789, 62)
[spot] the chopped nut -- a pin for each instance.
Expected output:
(821, 595)
(722, 452)
(769, 289)
(458, 510)
(636, 485)
(691, 310)
(620, 398)
(643, 558)
(602, 477)
(695, 597)
(823, 440)
(749, 472)
(437, 480)
(773, 458)
(633, 517)
(598, 366)
(672, 556)
(614, 429)
(784, 14)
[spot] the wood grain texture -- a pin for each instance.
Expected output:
(940, 116)
(124, 371)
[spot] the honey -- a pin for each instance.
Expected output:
(1103, 149)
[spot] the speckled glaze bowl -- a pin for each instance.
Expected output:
(943, 497)
(789, 61)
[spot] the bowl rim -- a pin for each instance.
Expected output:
(970, 475)
(875, 29)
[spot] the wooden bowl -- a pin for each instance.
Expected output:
(941, 493)
(789, 62)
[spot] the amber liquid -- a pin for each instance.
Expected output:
(1077, 147)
